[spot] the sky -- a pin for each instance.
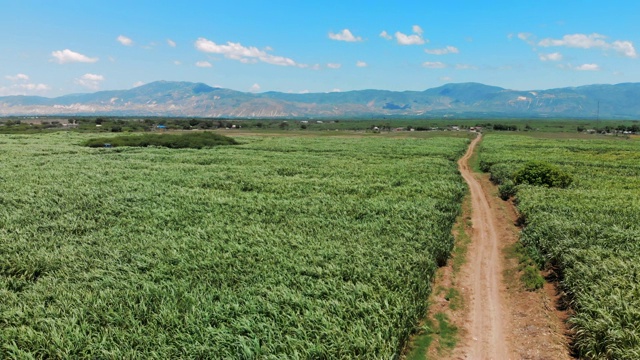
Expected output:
(52, 48)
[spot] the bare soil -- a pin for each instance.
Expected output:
(499, 319)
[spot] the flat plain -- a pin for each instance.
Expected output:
(280, 247)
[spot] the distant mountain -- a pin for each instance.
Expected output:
(166, 98)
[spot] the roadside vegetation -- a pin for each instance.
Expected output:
(586, 230)
(296, 247)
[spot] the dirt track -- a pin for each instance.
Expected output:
(500, 319)
(486, 327)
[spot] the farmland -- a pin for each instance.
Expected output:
(588, 233)
(279, 247)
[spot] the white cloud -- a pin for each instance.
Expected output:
(124, 40)
(254, 88)
(385, 35)
(68, 56)
(595, 40)
(171, 43)
(413, 39)
(443, 51)
(556, 56)
(625, 48)
(24, 89)
(466, 67)
(36, 87)
(576, 41)
(344, 35)
(236, 51)
(434, 65)
(524, 36)
(445, 78)
(17, 77)
(336, 90)
(138, 83)
(334, 66)
(90, 81)
(361, 64)
(203, 64)
(588, 67)
(177, 62)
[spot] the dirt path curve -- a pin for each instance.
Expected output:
(486, 321)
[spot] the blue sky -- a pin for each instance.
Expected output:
(52, 48)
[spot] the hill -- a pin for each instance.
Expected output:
(166, 98)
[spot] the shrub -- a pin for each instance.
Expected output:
(542, 174)
(192, 140)
(507, 190)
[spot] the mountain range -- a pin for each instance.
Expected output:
(168, 98)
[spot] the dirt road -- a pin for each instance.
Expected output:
(500, 319)
(486, 326)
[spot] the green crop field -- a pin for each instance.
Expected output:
(280, 247)
(589, 232)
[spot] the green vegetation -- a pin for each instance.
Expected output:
(282, 247)
(530, 276)
(15, 125)
(588, 233)
(189, 140)
(440, 330)
(540, 173)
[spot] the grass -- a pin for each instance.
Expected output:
(440, 330)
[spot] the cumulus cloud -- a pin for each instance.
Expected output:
(67, 56)
(90, 81)
(24, 89)
(466, 67)
(443, 51)
(254, 88)
(556, 56)
(237, 51)
(124, 40)
(361, 64)
(413, 39)
(576, 41)
(445, 78)
(171, 43)
(36, 87)
(344, 35)
(434, 65)
(177, 62)
(624, 48)
(17, 77)
(203, 64)
(588, 67)
(385, 35)
(334, 66)
(595, 40)
(138, 83)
